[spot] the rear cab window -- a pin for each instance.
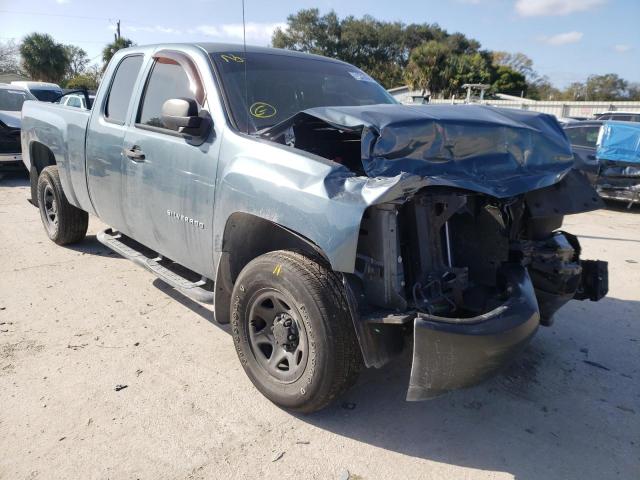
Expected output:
(124, 79)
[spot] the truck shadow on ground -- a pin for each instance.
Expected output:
(14, 176)
(91, 246)
(197, 308)
(566, 408)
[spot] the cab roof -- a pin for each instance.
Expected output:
(237, 47)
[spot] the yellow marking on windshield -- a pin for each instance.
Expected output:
(262, 110)
(230, 57)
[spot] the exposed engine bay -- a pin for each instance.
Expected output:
(467, 272)
(442, 253)
(473, 258)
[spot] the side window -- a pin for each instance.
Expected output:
(167, 80)
(591, 136)
(122, 88)
(621, 117)
(575, 135)
(74, 102)
(583, 136)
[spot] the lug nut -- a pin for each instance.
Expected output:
(291, 337)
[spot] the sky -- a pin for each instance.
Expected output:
(567, 39)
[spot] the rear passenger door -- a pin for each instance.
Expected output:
(169, 182)
(104, 143)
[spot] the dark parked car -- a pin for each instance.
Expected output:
(584, 138)
(11, 100)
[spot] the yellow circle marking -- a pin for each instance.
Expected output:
(262, 110)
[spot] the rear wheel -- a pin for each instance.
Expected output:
(63, 222)
(293, 332)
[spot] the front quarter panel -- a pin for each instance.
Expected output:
(316, 198)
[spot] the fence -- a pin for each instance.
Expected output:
(559, 109)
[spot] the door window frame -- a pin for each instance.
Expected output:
(193, 74)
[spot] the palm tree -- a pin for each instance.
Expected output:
(111, 48)
(43, 59)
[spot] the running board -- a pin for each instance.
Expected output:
(193, 290)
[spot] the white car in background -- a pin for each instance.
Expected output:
(77, 100)
(43, 91)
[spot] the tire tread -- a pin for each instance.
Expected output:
(72, 222)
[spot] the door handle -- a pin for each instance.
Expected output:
(134, 153)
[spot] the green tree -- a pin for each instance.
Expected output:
(543, 89)
(438, 67)
(43, 59)
(509, 81)
(518, 62)
(90, 79)
(381, 49)
(78, 60)
(429, 67)
(605, 87)
(110, 49)
(633, 91)
(575, 91)
(309, 32)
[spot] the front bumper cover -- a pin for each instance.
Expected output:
(455, 353)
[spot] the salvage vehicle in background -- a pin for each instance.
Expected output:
(11, 100)
(583, 137)
(618, 153)
(43, 91)
(608, 152)
(331, 226)
(619, 116)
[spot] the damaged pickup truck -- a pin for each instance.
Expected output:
(331, 226)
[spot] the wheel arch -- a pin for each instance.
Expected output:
(247, 236)
(41, 156)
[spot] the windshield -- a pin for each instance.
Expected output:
(12, 99)
(46, 95)
(279, 86)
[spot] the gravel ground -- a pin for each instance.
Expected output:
(77, 322)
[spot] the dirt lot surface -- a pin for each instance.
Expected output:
(77, 322)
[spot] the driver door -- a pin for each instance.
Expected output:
(169, 183)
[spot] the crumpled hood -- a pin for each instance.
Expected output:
(11, 119)
(500, 152)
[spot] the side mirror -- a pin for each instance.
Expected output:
(181, 115)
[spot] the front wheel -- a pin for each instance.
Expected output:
(293, 331)
(63, 222)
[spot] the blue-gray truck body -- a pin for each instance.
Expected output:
(427, 183)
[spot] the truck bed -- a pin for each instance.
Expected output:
(63, 130)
